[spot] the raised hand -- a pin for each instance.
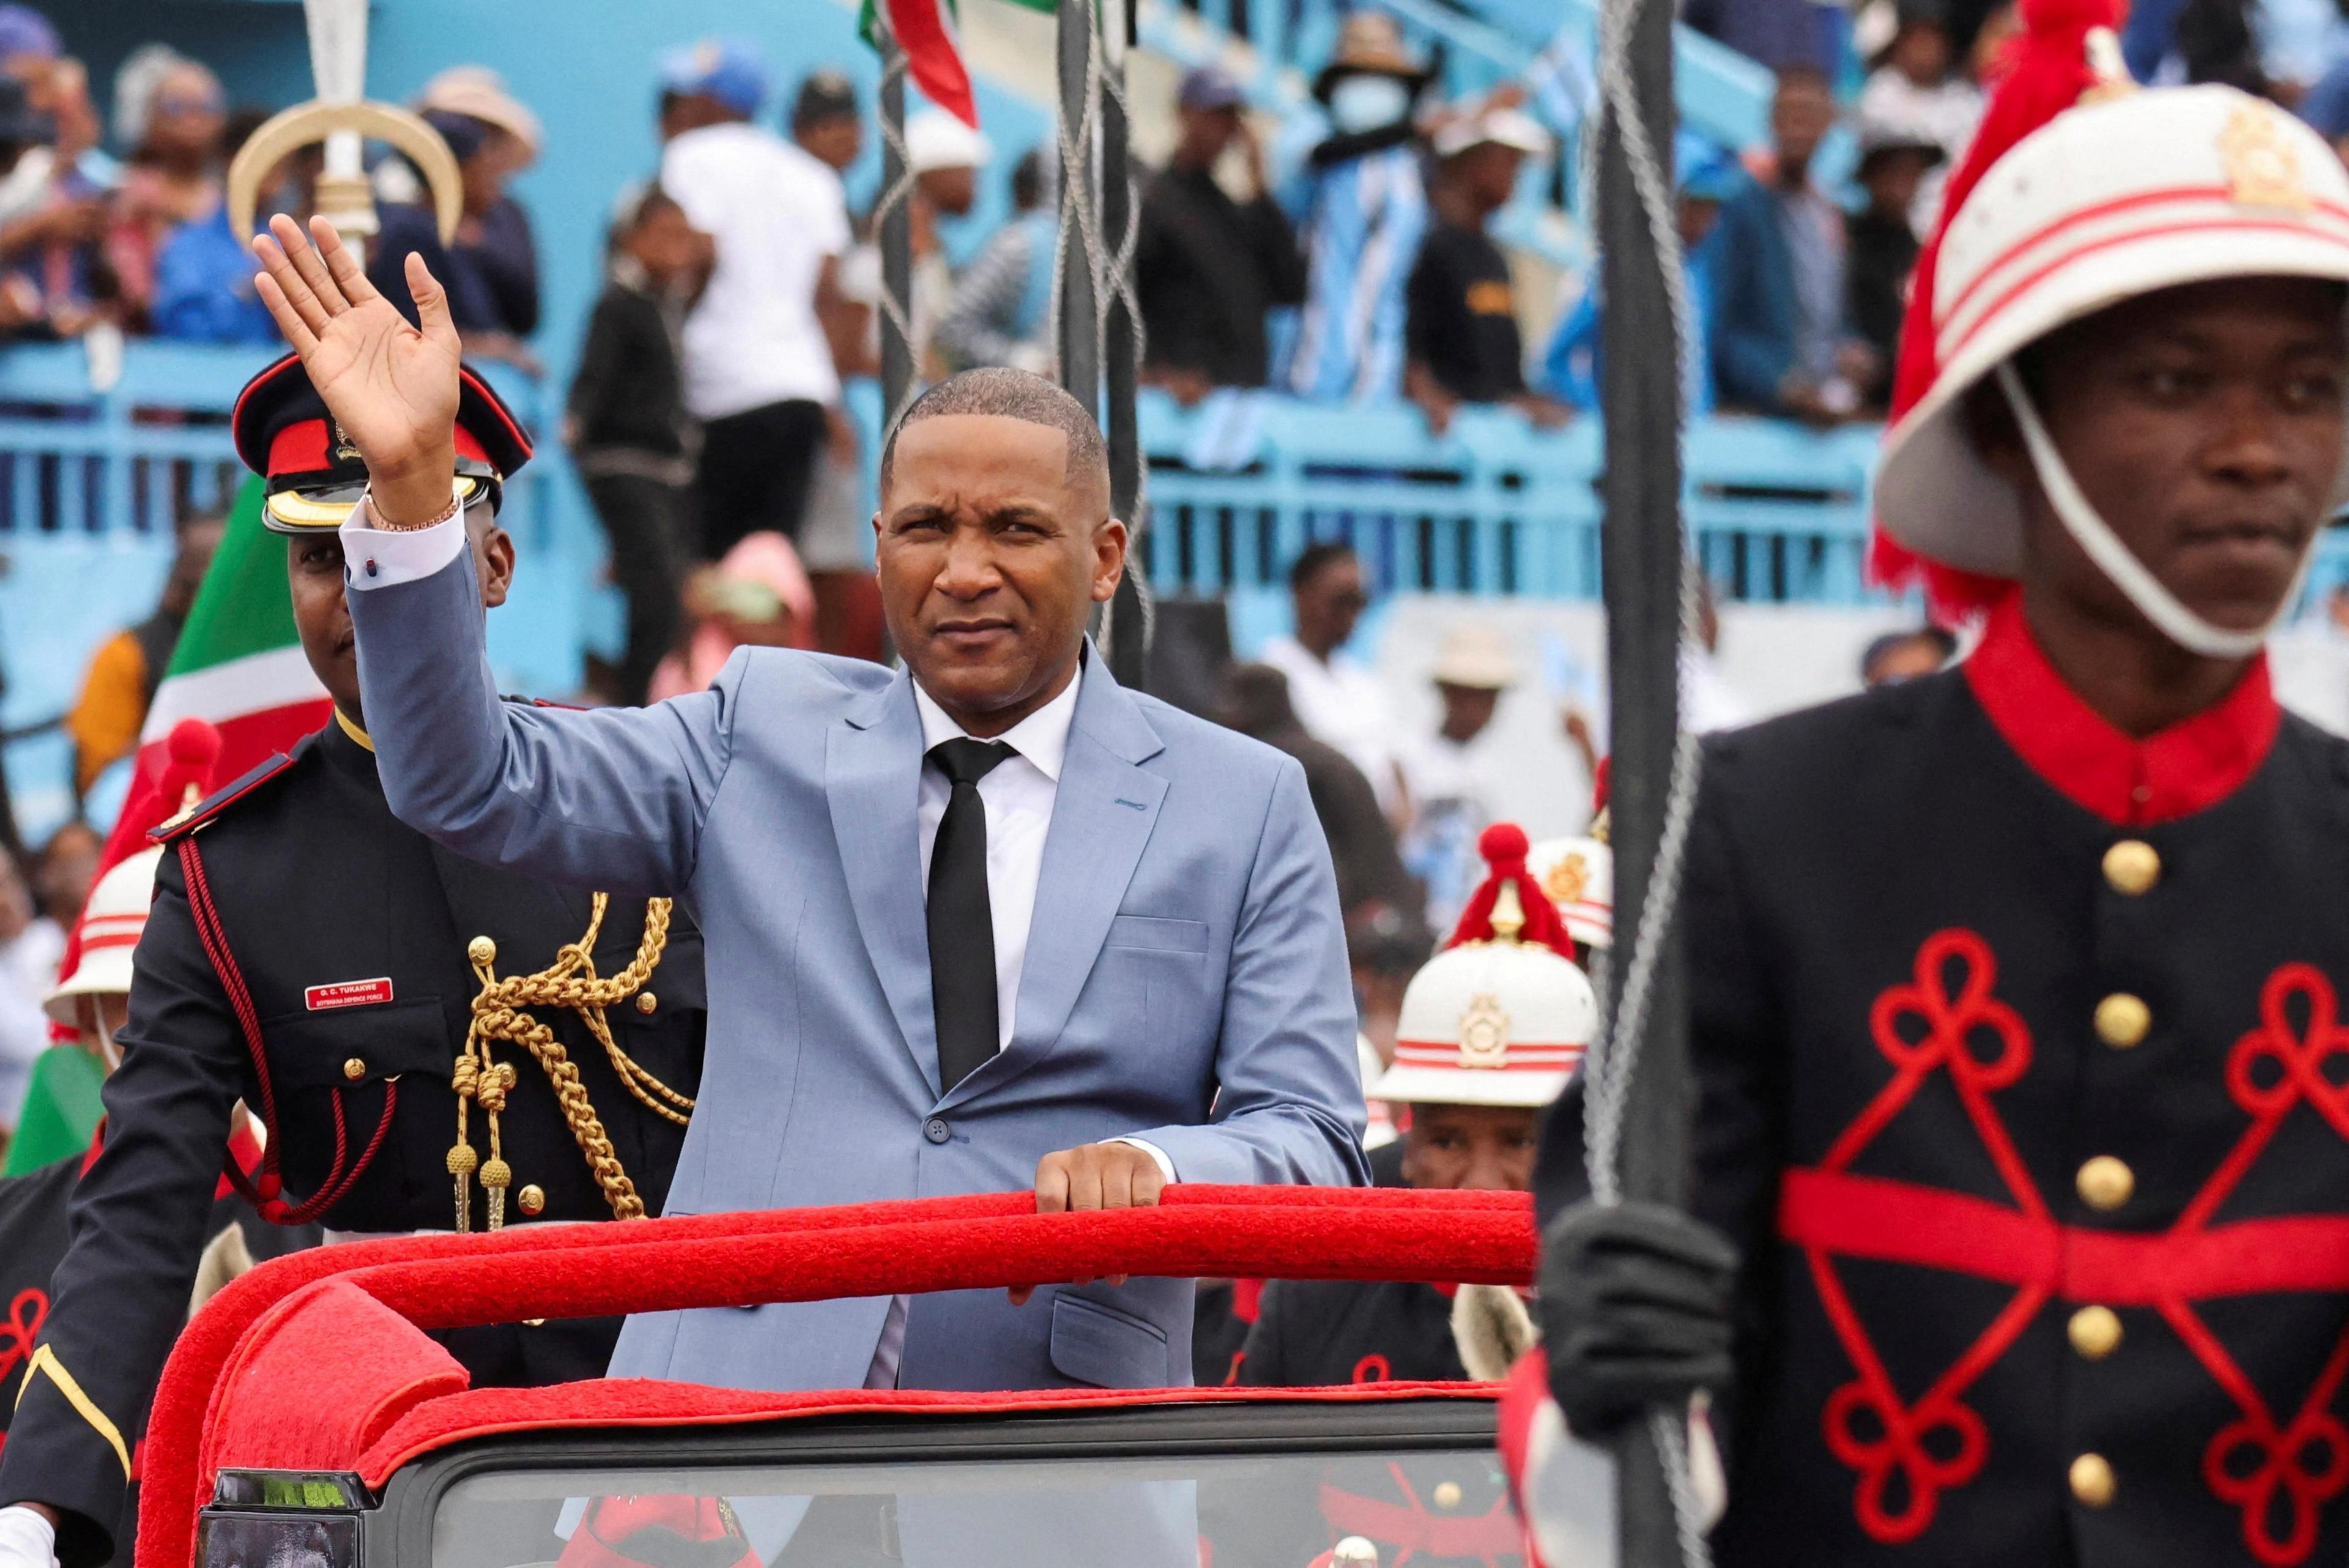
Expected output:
(391, 387)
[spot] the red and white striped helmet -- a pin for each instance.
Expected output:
(111, 921)
(1498, 1023)
(2126, 195)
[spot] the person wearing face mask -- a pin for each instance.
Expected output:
(2020, 1175)
(1365, 212)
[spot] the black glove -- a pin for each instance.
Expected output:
(1634, 1307)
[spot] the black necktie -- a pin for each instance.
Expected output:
(962, 922)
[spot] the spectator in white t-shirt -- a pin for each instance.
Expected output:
(1450, 783)
(1336, 698)
(759, 368)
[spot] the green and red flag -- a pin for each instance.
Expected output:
(926, 31)
(238, 666)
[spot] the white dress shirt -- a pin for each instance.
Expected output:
(1018, 793)
(1341, 704)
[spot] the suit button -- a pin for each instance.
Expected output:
(2105, 1183)
(2095, 1332)
(2093, 1482)
(936, 1130)
(354, 1069)
(2132, 867)
(647, 1002)
(2122, 1020)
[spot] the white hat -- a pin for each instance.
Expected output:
(111, 921)
(937, 140)
(2141, 191)
(1509, 126)
(480, 93)
(1474, 655)
(1578, 875)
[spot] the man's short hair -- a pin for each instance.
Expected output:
(1006, 393)
(1312, 559)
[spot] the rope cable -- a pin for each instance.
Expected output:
(1610, 1066)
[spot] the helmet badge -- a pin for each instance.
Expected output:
(2260, 169)
(1483, 1032)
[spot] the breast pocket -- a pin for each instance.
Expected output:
(347, 1047)
(1155, 934)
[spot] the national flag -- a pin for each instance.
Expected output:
(238, 665)
(926, 31)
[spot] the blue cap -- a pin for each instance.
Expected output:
(1706, 172)
(728, 69)
(25, 31)
(1209, 88)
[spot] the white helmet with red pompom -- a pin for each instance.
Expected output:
(1500, 1017)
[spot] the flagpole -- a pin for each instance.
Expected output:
(896, 235)
(1080, 319)
(1121, 351)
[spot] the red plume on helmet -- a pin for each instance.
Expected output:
(1504, 847)
(2041, 74)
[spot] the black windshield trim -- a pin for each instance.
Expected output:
(401, 1532)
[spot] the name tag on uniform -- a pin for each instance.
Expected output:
(349, 993)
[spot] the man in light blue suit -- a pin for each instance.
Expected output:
(987, 921)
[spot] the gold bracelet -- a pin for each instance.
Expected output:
(378, 522)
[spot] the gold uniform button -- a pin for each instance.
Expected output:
(531, 1199)
(2095, 1332)
(2105, 1183)
(647, 1002)
(481, 950)
(354, 1069)
(2093, 1482)
(2123, 1021)
(2132, 867)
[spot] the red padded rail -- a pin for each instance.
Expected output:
(974, 1243)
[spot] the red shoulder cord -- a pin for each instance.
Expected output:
(264, 1195)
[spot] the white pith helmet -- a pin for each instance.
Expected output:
(112, 920)
(1578, 875)
(1493, 1020)
(2133, 193)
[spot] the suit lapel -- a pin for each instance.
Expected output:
(872, 778)
(1102, 816)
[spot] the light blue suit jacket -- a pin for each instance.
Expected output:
(1185, 980)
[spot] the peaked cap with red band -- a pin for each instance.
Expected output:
(315, 475)
(2079, 191)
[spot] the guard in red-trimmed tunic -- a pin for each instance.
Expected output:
(2018, 990)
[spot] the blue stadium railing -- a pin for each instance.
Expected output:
(90, 482)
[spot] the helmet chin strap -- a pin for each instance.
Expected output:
(2117, 562)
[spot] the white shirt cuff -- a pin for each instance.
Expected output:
(1165, 1166)
(377, 557)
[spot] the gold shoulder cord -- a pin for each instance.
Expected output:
(569, 981)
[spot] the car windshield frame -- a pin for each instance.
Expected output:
(400, 1532)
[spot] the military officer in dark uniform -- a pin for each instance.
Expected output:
(2018, 990)
(400, 1019)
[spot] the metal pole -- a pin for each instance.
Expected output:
(1128, 651)
(896, 226)
(1079, 344)
(1641, 554)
